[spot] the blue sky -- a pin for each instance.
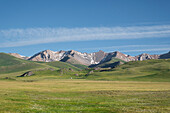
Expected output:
(129, 26)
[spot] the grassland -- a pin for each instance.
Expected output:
(84, 96)
(149, 70)
(134, 87)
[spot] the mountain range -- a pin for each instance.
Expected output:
(108, 68)
(89, 59)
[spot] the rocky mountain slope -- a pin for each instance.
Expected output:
(18, 56)
(71, 56)
(146, 56)
(88, 59)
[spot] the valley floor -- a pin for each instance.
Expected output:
(84, 96)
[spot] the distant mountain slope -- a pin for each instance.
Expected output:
(99, 58)
(146, 56)
(71, 56)
(18, 56)
(48, 56)
(147, 70)
(111, 63)
(116, 58)
(10, 64)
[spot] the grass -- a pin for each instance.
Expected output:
(60, 65)
(149, 70)
(80, 66)
(11, 64)
(84, 96)
(134, 87)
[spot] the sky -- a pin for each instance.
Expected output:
(129, 26)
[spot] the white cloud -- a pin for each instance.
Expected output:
(125, 47)
(22, 37)
(131, 48)
(146, 50)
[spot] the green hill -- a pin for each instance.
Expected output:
(60, 64)
(11, 64)
(148, 70)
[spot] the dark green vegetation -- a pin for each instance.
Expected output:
(141, 86)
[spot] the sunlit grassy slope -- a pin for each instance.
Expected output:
(11, 64)
(149, 70)
(60, 65)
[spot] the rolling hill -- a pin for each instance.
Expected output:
(11, 64)
(147, 70)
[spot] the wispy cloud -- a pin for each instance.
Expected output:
(126, 47)
(30, 36)
(147, 50)
(131, 48)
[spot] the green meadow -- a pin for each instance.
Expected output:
(84, 96)
(134, 87)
